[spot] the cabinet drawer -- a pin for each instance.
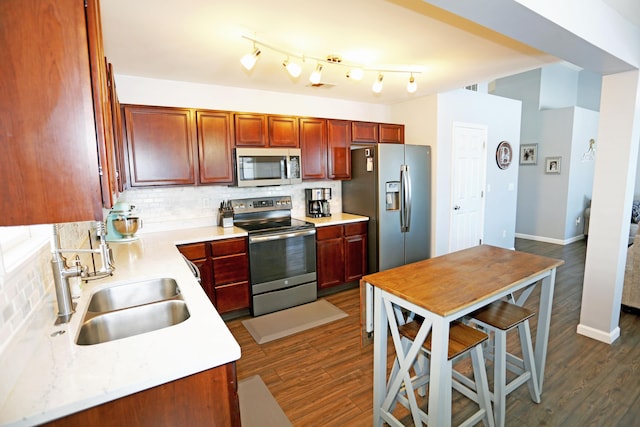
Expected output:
(234, 296)
(228, 247)
(329, 232)
(355, 228)
(194, 251)
(233, 268)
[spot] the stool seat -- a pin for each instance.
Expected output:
(502, 315)
(462, 337)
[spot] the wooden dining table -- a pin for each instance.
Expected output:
(441, 290)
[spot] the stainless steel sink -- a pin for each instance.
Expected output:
(133, 294)
(131, 321)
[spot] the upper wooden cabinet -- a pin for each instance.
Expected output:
(251, 130)
(49, 167)
(313, 145)
(283, 131)
(338, 149)
(364, 132)
(390, 133)
(215, 147)
(160, 143)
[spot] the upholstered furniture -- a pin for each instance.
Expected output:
(631, 290)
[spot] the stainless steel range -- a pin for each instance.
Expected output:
(282, 253)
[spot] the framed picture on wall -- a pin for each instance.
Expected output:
(529, 154)
(552, 165)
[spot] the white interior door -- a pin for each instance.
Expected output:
(468, 182)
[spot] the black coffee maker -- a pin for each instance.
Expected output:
(317, 202)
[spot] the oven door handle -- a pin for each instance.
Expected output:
(280, 236)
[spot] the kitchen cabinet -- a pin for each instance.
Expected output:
(160, 144)
(49, 167)
(209, 398)
(224, 271)
(341, 252)
(230, 260)
(118, 144)
(250, 130)
(338, 149)
(391, 133)
(283, 132)
(364, 132)
(215, 147)
(198, 253)
(162, 141)
(313, 146)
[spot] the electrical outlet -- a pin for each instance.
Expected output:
(578, 220)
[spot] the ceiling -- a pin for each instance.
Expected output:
(202, 41)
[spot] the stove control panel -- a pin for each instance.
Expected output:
(261, 204)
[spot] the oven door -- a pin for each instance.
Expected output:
(282, 259)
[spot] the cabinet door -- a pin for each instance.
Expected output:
(102, 106)
(283, 132)
(215, 147)
(160, 144)
(391, 134)
(329, 256)
(198, 254)
(313, 145)
(364, 132)
(250, 130)
(118, 142)
(339, 149)
(355, 257)
(49, 163)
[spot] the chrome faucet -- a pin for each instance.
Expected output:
(62, 271)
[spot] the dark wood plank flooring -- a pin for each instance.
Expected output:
(323, 377)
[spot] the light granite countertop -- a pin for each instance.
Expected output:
(45, 375)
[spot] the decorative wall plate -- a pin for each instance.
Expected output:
(504, 154)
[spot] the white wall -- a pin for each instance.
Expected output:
(138, 90)
(431, 120)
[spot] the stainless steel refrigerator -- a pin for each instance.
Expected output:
(391, 184)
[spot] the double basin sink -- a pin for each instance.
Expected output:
(134, 308)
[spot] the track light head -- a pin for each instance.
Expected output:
(316, 76)
(377, 85)
(249, 60)
(292, 68)
(412, 85)
(355, 74)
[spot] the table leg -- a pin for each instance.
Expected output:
(379, 355)
(440, 375)
(544, 321)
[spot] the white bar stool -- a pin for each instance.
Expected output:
(463, 339)
(497, 319)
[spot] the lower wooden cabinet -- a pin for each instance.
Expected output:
(341, 253)
(224, 271)
(208, 398)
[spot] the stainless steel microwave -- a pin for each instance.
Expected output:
(256, 167)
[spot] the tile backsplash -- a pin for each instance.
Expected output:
(184, 207)
(24, 283)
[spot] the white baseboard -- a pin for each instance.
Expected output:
(549, 239)
(605, 337)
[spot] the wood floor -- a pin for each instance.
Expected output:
(323, 377)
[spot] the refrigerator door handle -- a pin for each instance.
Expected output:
(405, 208)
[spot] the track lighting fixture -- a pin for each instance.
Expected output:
(293, 68)
(354, 71)
(412, 86)
(377, 85)
(249, 60)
